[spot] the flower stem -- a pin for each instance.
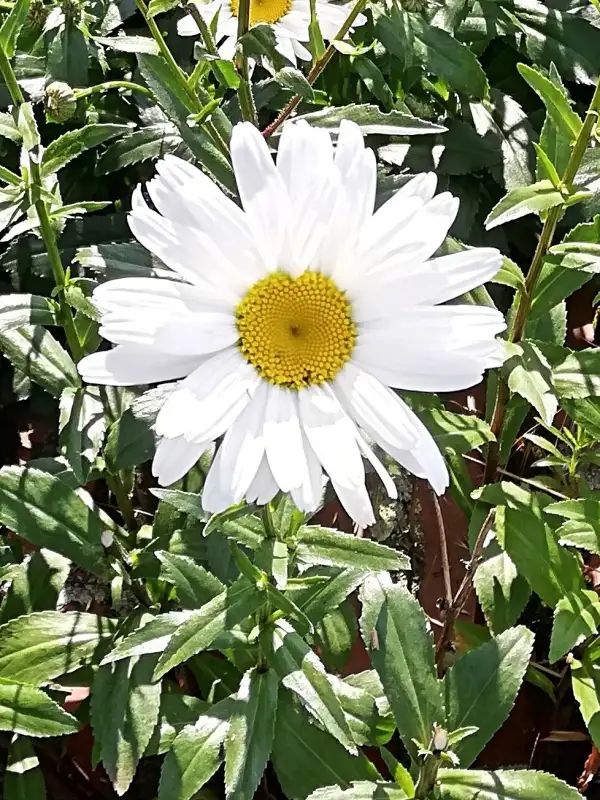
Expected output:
(246, 101)
(317, 68)
(526, 297)
(104, 87)
(195, 104)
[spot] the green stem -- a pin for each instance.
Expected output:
(246, 101)
(195, 104)
(104, 87)
(9, 177)
(318, 67)
(427, 776)
(517, 328)
(10, 79)
(267, 521)
(203, 27)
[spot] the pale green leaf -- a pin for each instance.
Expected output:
(525, 784)
(525, 200)
(27, 710)
(576, 617)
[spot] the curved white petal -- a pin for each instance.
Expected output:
(127, 365)
(283, 439)
(262, 191)
(379, 468)
(174, 458)
(263, 487)
(308, 495)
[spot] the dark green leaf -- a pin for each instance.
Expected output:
(176, 711)
(194, 585)
(148, 143)
(335, 635)
(292, 78)
(23, 779)
(317, 599)
(82, 427)
(585, 412)
(70, 145)
(17, 310)
(68, 56)
(555, 99)
(153, 637)
(250, 735)
(482, 686)
(35, 585)
(394, 628)
(11, 27)
(35, 352)
(129, 443)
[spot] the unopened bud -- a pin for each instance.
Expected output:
(38, 13)
(414, 5)
(440, 739)
(72, 10)
(59, 101)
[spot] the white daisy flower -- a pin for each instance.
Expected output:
(290, 20)
(298, 314)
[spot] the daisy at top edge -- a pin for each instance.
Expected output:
(294, 317)
(290, 20)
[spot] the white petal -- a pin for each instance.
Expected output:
(227, 49)
(332, 436)
(284, 46)
(301, 52)
(263, 487)
(308, 496)
(379, 468)
(127, 365)
(261, 190)
(434, 281)
(210, 399)
(174, 458)
(238, 458)
(302, 151)
(283, 439)
(350, 145)
(356, 502)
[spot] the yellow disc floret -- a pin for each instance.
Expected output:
(268, 11)
(296, 332)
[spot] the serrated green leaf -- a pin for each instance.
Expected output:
(27, 710)
(23, 779)
(69, 55)
(576, 617)
(583, 535)
(36, 353)
(130, 44)
(501, 591)
(482, 686)
(318, 759)
(82, 426)
(524, 200)
(585, 676)
(555, 99)
(196, 753)
(250, 734)
(129, 443)
(394, 628)
(194, 585)
(17, 310)
(362, 790)
(335, 635)
(176, 711)
(38, 647)
(329, 547)
(160, 6)
(525, 784)
(70, 145)
(124, 710)
(292, 78)
(220, 614)
(530, 376)
(510, 275)
(371, 121)
(148, 143)
(11, 27)
(301, 671)
(585, 412)
(153, 637)
(123, 260)
(35, 584)
(319, 598)
(578, 374)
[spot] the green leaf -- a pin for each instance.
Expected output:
(584, 535)
(38, 647)
(578, 374)
(194, 585)
(11, 27)
(586, 688)
(366, 708)
(36, 353)
(443, 55)
(292, 78)
(482, 686)
(220, 614)
(371, 121)
(8, 127)
(394, 31)
(160, 6)
(556, 140)
(70, 145)
(69, 56)
(510, 275)
(196, 753)
(250, 734)
(530, 376)
(23, 779)
(332, 548)
(373, 79)
(554, 285)
(524, 200)
(47, 512)
(129, 443)
(124, 710)
(176, 106)
(460, 433)
(152, 637)
(502, 120)
(27, 710)
(317, 599)
(525, 784)
(130, 44)
(399, 773)
(148, 143)
(335, 635)
(550, 569)
(260, 40)
(501, 591)
(123, 260)
(576, 617)
(555, 99)
(362, 790)
(185, 502)
(301, 671)
(575, 255)
(28, 127)
(318, 759)
(82, 427)
(17, 310)
(585, 412)
(176, 711)
(582, 528)
(394, 628)
(36, 584)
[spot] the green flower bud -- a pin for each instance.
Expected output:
(59, 101)
(72, 10)
(37, 14)
(414, 5)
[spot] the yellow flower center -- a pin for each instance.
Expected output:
(268, 11)
(296, 332)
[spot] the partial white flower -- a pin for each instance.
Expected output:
(290, 20)
(299, 312)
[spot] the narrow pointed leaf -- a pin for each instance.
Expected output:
(329, 547)
(361, 790)
(194, 584)
(525, 784)
(27, 710)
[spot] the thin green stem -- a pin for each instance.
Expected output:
(525, 300)
(10, 79)
(267, 521)
(318, 67)
(195, 104)
(247, 105)
(105, 87)
(203, 27)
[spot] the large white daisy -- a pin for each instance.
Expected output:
(296, 316)
(290, 20)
